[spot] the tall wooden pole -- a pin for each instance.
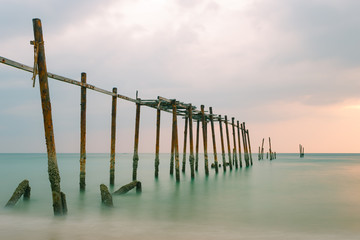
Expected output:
(113, 137)
(157, 146)
(222, 143)
(234, 140)
(197, 145)
(248, 138)
(191, 158)
(136, 140)
(184, 147)
(262, 149)
(204, 128)
(228, 141)
(239, 144)
(59, 203)
(83, 133)
(271, 156)
(246, 156)
(172, 148)
(213, 139)
(176, 145)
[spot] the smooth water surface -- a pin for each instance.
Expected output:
(316, 197)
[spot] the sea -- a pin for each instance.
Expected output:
(315, 197)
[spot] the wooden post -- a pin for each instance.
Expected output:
(157, 146)
(176, 145)
(184, 147)
(197, 145)
(262, 149)
(239, 144)
(222, 143)
(136, 140)
(124, 189)
(23, 189)
(204, 128)
(113, 137)
(53, 170)
(214, 141)
(228, 141)
(106, 197)
(246, 156)
(83, 133)
(172, 148)
(248, 137)
(234, 139)
(191, 159)
(271, 157)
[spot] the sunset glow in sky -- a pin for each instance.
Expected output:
(289, 68)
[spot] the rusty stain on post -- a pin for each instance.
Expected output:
(136, 141)
(239, 144)
(228, 141)
(213, 139)
(53, 170)
(222, 143)
(83, 134)
(113, 138)
(234, 140)
(185, 138)
(157, 147)
(191, 158)
(204, 128)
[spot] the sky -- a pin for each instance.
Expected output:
(290, 69)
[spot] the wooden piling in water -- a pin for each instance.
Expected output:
(176, 145)
(191, 138)
(172, 151)
(262, 149)
(197, 145)
(83, 133)
(23, 189)
(204, 128)
(185, 143)
(248, 138)
(136, 141)
(246, 156)
(53, 170)
(234, 140)
(239, 144)
(222, 143)
(157, 145)
(113, 137)
(213, 140)
(106, 197)
(124, 189)
(270, 151)
(228, 142)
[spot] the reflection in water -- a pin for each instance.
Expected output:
(288, 198)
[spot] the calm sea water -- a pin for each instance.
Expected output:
(317, 197)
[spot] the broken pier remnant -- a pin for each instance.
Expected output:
(23, 189)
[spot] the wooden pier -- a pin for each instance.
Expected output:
(186, 111)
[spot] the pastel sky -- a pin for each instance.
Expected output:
(289, 68)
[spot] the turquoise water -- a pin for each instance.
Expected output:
(316, 197)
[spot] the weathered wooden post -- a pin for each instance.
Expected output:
(23, 189)
(262, 149)
(204, 128)
(113, 137)
(228, 142)
(234, 140)
(106, 197)
(184, 147)
(197, 145)
(246, 156)
(53, 170)
(222, 143)
(157, 146)
(176, 145)
(239, 144)
(136, 139)
(172, 148)
(83, 133)
(213, 139)
(191, 159)
(248, 137)
(271, 156)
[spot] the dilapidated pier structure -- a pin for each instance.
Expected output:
(190, 113)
